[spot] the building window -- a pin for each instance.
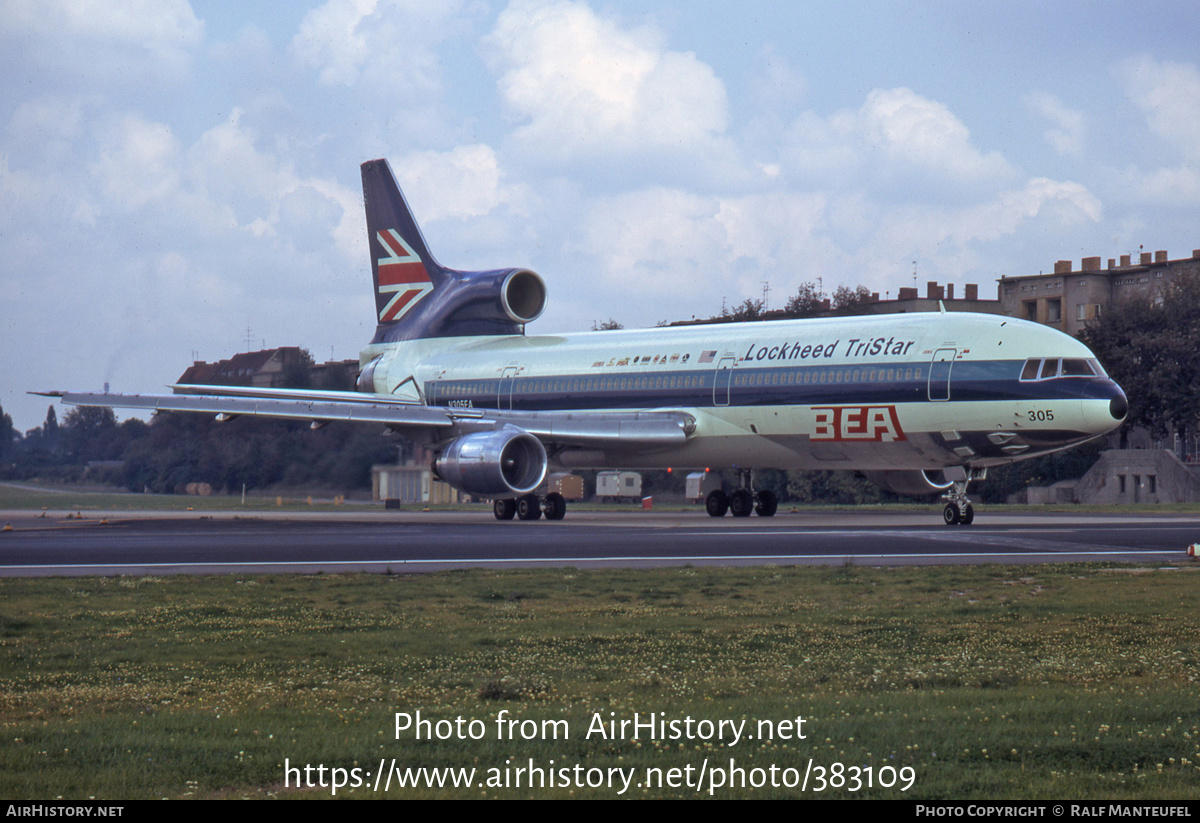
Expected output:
(1152, 482)
(1081, 311)
(1121, 483)
(1053, 311)
(1031, 310)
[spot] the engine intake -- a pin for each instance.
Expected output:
(523, 295)
(500, 463)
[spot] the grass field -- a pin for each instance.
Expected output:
(1069, 681)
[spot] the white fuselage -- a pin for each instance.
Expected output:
(906, 391)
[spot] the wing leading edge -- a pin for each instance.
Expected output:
(616, 430)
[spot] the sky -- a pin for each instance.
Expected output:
(180, 181)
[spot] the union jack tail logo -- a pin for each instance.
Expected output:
(401, 274)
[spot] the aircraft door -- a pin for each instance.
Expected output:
(505, 390)
(939, 373)
(724, 376)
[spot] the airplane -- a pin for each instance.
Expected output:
(919, 403)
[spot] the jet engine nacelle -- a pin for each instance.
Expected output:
(523, 295)
(915, 483)
(500, 463)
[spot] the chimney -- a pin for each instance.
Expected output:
(933, 291)
(1160, 256)
(1125, 261)
(972, 290)
(907, 293)
(1112, 262)
(1062, 267)
(1090, 264)
(949, 291)
(1145, 258)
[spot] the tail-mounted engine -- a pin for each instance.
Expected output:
(500, 463)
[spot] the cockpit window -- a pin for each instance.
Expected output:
(1077, 368)
(1037, 368)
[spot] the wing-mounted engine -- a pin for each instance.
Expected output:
(499, 463)
(914, 483)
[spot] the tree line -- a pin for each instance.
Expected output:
(172, 450)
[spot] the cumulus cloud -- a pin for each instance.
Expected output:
(461, 183)
(926, 227)
(1169, 95)
(698, 248)
(658, 240)
(138, 161)
(133, 41)
(380, 44)
(1065, 134)
(580, 82)
(894, 132)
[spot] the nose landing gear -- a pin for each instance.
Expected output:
(958, 510)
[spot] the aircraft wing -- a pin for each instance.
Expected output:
(608, 429)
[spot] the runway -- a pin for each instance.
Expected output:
(403, 542)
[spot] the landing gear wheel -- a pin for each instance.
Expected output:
(741, 503)
(717, 503)
(952, 515)
(968, 515)
(504, 509)
(555, 505)
(528, 507)
(767, 505)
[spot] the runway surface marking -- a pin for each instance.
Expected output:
(584, 559)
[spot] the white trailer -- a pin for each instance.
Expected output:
(616, 486)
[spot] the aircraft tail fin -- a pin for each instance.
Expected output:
(415, 296)
(402, 269)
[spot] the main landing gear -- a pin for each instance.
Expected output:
(744, 501)
(531, 507)
(958, 510)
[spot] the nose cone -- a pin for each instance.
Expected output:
(1107, 409)
(1118, 406)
